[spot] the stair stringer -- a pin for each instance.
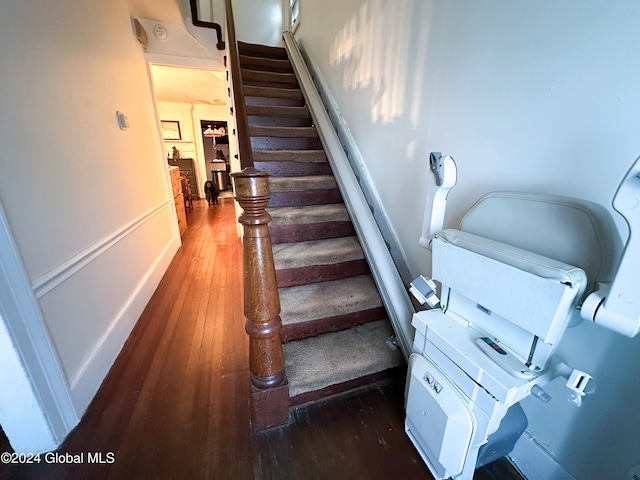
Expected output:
(385, 273)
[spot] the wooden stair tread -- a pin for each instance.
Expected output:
(277, 111)
(266, 64)
(283, 132)
(258, 76)
(311, 156)
(335, 212)
(315, 363)
(304, 303)
(257, 50)
(273, 92)
(317, 252)
(299, 184)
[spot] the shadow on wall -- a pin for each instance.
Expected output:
(378, 48)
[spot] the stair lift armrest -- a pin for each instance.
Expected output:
(617, 306)
(444, 179)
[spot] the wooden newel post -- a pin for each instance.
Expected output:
(270, 391)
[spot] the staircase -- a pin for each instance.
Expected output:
(334, 324)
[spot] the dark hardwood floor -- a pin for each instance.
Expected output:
(175, 404)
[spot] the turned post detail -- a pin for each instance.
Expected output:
(261, 300)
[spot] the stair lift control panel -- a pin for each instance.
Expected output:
(503, 358)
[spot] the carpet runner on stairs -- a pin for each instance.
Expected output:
(334, 323)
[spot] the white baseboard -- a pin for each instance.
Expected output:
(534, 462)
(85, 386)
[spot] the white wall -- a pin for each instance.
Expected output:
(88, 204)
(258, 22)
(533, 96)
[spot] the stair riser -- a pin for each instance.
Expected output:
(290, 277)
(254, 50)
(265, 64)
(283, 132)
(315, 156)
(294, 169)
(278, 143)
(380, 379)
(279, 121)
(314, 231)
(307, 197)
(288, 112)
(274, 101)
(270, 92)
(333, 324)
(268, 84)
(279, 80)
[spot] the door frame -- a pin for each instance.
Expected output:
(36, 407)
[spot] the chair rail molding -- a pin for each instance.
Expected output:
(58, 275)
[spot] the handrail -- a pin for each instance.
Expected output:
(242, 124)
(270, 390)
(392, 289)
(195, 19)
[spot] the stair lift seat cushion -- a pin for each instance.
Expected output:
(492, 285)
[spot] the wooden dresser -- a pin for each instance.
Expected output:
(178, 198)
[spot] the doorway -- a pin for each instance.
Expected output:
(215, 141)
(184, 98)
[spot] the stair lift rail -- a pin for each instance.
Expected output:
(385, 273)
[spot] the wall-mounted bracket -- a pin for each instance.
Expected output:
(438, 185)
(436, 163)
(617, 306)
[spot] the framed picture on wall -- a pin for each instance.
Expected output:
(170, 130)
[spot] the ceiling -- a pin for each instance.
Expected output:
(173, 83)
(167, 11)
(188, 85)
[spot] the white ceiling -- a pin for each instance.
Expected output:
(188, 85)
(166, 11)
(173, 83)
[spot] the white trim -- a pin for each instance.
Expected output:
(93, 372)
(58, 275)
(33, 347)
(534, 462)
(286, 15)
(187, 62)
(392, 289)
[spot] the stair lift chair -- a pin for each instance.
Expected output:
(512, 276)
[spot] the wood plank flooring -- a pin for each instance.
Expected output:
(175, 404)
